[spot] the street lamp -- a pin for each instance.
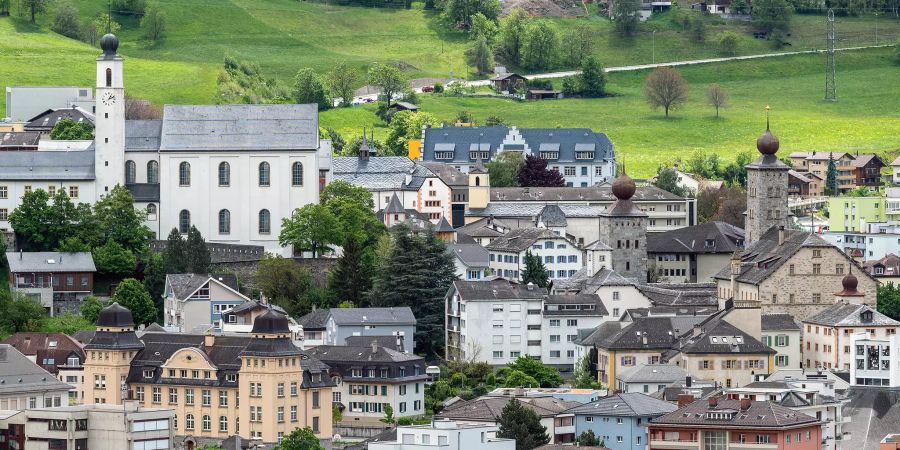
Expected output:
(654, 46)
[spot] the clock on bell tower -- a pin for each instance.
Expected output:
(109, 132)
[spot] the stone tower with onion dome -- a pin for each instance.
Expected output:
(767, 190)
(623, 226)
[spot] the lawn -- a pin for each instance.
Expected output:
(866, 118)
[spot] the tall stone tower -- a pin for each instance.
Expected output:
(767, 190)
(109, 132)
(623, 226)
(479, 186)
(108, 356)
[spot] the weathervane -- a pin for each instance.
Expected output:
(767, 117)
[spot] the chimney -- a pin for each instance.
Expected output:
(644, 339)
(697, 330)
(713, 402)
(519, 392)
(209, 340)
(685, 399)
(687, 381)
(400, 343)
(20, 254)
(745, 404)
(529, 286)
(374, 346)
(780, 234)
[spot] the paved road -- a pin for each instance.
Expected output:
(653, 66)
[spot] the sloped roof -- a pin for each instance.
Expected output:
(652, 373)
(599, 334)
(720, 337)
(46, 120)
(381, 173)
(18, 375)
(593, 194)
(20, 139)
(451, 176)
(363, 353)
(50, 262)
(766, 255)
(381, 341)
(585, 283)
(185, 284)
(48, 165)
(45, 347)
(509, 209)
(142, 135)
(472, 255)
(483, 227)
(681, 294)
(401, 315)
(624, 404)
(552, 216)
(520, 239)
(779, 322)
(758, 415)
(575, 299)
(723, 237)
(315, 320)
(488, 409)
(847, 315)
(496, 290)
(661, 333)
(239, 127)
(890, 264)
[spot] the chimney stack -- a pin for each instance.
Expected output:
(685, 399)
(780, 234)
(687, 381)
(644, 339)
(713, 402)
(209, 340)
(20, 254)
(697, 330)
(745, 404)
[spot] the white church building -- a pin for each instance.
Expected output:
(233, 171)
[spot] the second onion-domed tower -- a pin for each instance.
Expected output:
(767, 190)
(623, 226)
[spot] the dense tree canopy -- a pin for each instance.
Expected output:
(667, 180)
(534, 173)
(312, 228)
(666, 88)
(70, 130)
(535, 271)
(547, 376)
(285, 283)
(888, 298)
(309, 88)
(131, 294)
(300, 439)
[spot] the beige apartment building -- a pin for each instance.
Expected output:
(258, 385)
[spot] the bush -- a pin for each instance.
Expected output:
(66, 21)
(698, 29)
(438, 88)
(540, 83)
(729, 42)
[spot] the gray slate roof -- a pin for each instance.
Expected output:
(144, 192)
(681, 294)
(624, 404)
(488, 408)
(717, 336)
(472, 255)
(19, 139)
(723, 237)
(848, 315)
(521, 239)
(349, 353)
(661, 333)
(315, 320)
(779, 322)
(46, 120)
(239, 127)
(599, 334)
(766, 255)
(47, 165)
(552, 216)
(652, 373)
(451, 176)
(401, 315)
(576, 299)
(40, 262)
(381, 341)
(759, 415)
(505, 209)
(142, 135)
(381, 173)
(584, 283)
(496, 290)
(18, 375)
(185, 284)
(590, 194)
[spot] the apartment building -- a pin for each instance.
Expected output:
(783, 334)
(59, 281)
(829, 336)
(693, 254)
(817, 164)
(25, 385)
(446, 435)
(875, 361)
(487, 410)
(57, 353)
(561, 256)
(194, 302)
(563, 316)
(619, 420)
(855, 213)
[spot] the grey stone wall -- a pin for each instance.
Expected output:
(767, 201)
(222, 253)
(628, 260)
(246, 270)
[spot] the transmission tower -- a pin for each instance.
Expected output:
(830, 87)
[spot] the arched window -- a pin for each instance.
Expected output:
(153, 172)
(130, 172)
(151, 211)
(224, 174)
(108, 77)
(297, 174)
(207, 423)
(223, 424)
(184, 173)
(184, 221)
(189, 422)
(224, 221)
(477, 181)
(265, 222)
(264, 179)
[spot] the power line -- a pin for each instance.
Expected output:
(830, 88)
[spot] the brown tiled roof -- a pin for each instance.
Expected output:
(38, 345)
(758, 415)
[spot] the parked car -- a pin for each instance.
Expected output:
(427, 88)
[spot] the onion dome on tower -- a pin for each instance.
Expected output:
(623, 188)
(115, 330)
(849, 283)
(271, 337)
(109, 43)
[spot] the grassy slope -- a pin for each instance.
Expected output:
(862, 120)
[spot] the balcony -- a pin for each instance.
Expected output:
(674, 445)
(568, 429)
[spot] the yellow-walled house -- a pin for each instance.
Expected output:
(259, 385)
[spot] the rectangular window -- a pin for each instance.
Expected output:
(206, 397)
(498, 354)
(293, 413)
(4, 192)
(73, 191)
(223, 398)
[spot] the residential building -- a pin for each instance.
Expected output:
(895, 171)
(58, 281)
(345, 322)
(791, 272)
(446, 435)
(56, 353)
(805, 185)
(44, 121)
(508, 82)
(732, 424)
(693, 254)
(204, 377)
(824, 406)
(854, 213)
(458, 183)
(817, 163)
(828, 337)
(891, 206)
(92, 426)
(472, 261)
(487, 410)
(649, 378)
(582, 156)
(867, 170)
(314, 325)
(560, 255)
(767, 185)
(370, 377)
(871, 246)
(826, 381)
(783, 334)
(194, 302)
(691, 182)
(619, 420)
(875, 361)
(417, 187)
(22, 140)
(566, 394)
(885, 270)
(25, 102)
(617, 293)
(25, 385)
(239, 319)
(563, 316)
(484, 231)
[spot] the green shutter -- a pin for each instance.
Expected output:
(787, 340)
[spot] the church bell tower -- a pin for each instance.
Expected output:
(109, 132)
(767, 186)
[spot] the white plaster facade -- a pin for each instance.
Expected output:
(446, 435)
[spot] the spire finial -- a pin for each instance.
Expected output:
(767, 117)
(109, 17)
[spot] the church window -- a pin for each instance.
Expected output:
(297, 174)
(184, 173)
(130, 172)
(151, 211)
(108, 77)
(184, 221)
(265, 222)
(264, 179)
(224, 221)
(477, 181)
(224, 174)
(152, 172)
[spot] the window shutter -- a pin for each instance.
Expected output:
(746, 364)
(699, 364)
(787, 340)
(723, 364)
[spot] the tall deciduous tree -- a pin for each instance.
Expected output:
(772, 15)
(155, 279)
(729, 42)
(517, 378)
(665, 88)
(300, 439)
(118, 220)
(483, 27)
(888, 298)
(717, 97)
(541, 45)
(196, 252)
(19, 313)
(583, 376)
(342, 81)
(312, 228)
(284, 283)
(91, 307)
(535, 174)
(66, 20)
(504, 169)
(388, 79)
(667, 180)
(577, 44)
(535, 271)
(626, 16)
(113, 259)
(131, 294)
(460, 12)
(32, 7)
(522, 424)
(547, 376)
(480, 56)
(588, 439)
(154, 23)
(309, 88)
(406, 125)
(340, 189)
(592, 80)
(512, 35)
(70, 130)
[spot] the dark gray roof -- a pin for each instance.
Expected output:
(488, 408)
(144, 192)
(142, 135)
(766, 255)
(660, 333)
(585, 283)
(768, 162)
(389, 342)
(681, 294)
(19, 375)
(652, 373)
(596, 305)
(361, 354)
(758, 415)
(484, 227)
(496, 290)
(511, 209)
(717, 336)
(239, 127)
(552, 216)
(451, 176)
(590, 194)
(472, 255)
(20, 139)
(251, 305)
(46, 120)
(624, 404)
(401, 315)
(779, 322)
(394, 206)
(315, 320)
(460, 139)
(710, 237)
(843, 314)
(599, 334)
(185, 284)
(443, 226)
(381, 173)
(521, 239)
(50, 262)
(660, 311)
(47, 165)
